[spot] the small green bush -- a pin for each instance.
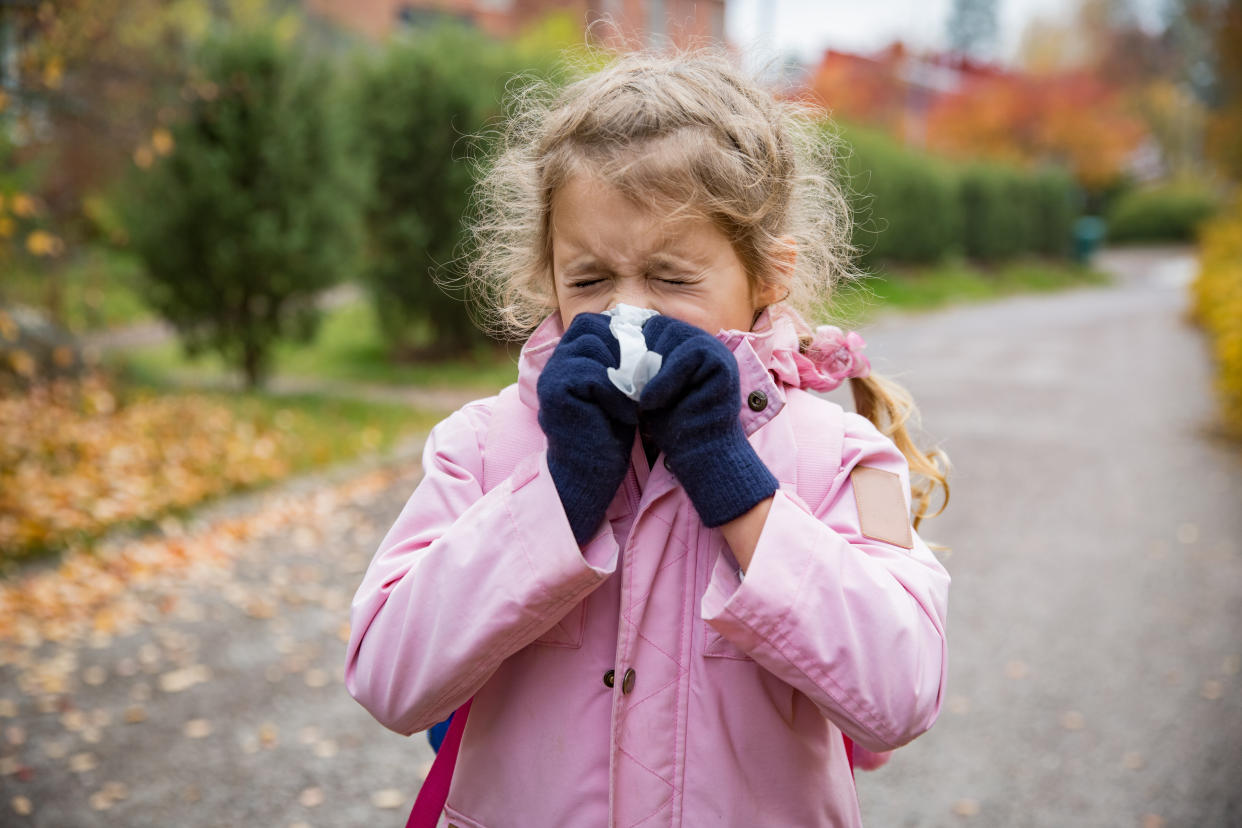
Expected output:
(1168, 212)
(422, 108)
(256, 207)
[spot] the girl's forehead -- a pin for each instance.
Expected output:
(589, 214)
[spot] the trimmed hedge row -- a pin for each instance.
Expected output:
(1169, 212)
(913, 207)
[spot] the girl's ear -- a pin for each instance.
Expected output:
(780, 278)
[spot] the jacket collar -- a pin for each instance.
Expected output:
(765, 357)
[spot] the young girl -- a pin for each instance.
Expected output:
(666, 607)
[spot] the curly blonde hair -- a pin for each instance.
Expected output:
(688, 131)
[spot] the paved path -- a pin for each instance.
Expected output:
(1094, 616)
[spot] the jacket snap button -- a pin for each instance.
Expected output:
(757, 400)
(627, 683)
(608, 678)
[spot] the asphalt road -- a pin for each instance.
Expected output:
(1095, 613)
(1095, 520)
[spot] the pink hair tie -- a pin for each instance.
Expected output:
(832, 357)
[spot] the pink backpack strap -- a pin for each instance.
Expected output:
(512, 434)
(819, 433)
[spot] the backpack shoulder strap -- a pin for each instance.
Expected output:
(819, 433)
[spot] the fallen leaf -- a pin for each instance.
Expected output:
(311, 797)
(94, 675)
(966, 807)
(186, 677)
(1016, 669)
(135, 713)
(388, 798)
(1132, 760)
(56, 749)
(315, 677)
(8, 708)
(83, 762)
(15, 734)
(1073, 720)
(1211, 690)
(197, 728)
(325, 749)
(22, 805)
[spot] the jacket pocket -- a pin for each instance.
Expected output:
(714, 645)
(568, 631)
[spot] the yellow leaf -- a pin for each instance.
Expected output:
(23, 205)
(162, 141)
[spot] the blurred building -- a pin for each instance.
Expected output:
(894, 87)
(615, 22)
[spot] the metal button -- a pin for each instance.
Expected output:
(666, 465)
(627, 683)
(608, 678)
(757, 400)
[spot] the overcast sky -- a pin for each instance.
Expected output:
(807, 27)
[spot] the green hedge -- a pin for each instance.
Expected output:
(914, 207)
(1168, 212)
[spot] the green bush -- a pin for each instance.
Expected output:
(1168, 212)
(417, 104)
(905, 204)
(916, 208)
(256, 207)
(998, 210)
(1056, 205)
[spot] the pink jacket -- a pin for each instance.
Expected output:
(727, 695)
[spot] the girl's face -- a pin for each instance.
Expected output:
(607, 250)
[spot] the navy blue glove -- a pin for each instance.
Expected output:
(589, 422)
(690, 409)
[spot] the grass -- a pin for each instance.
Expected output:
(348, 347)
(99, 288)
(951, 282)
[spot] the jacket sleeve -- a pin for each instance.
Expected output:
(463, 580)
(856, 624)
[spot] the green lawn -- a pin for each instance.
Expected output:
(97, 289)
(928, 288)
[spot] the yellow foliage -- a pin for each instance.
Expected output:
(74, 459)
(23, 205)
(1217, 295)
(162, 141)
(43, 243)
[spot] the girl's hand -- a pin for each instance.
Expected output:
(589, 422)
(690, 408)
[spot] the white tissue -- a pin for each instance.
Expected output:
(638, 365)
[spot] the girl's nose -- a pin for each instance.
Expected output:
(630, 295)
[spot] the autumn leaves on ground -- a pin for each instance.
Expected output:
(122, 666)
